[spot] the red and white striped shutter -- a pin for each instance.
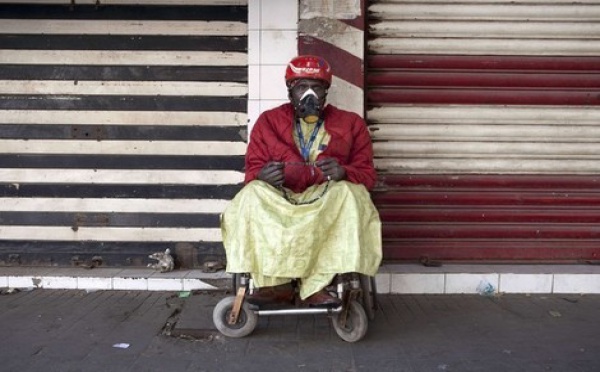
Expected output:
(485, 121)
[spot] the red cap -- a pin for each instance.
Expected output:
(308, 67)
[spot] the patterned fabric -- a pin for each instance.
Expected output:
(267, 236)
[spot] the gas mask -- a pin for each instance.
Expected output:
(308, 107)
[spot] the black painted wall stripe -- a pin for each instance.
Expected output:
(75, 161)
(80, 219)
(123, 132)
(125, 12)
(141, 191)
(124, 73)
(130, 103)
(92, 247)
(124, 42)
(66, 253)
(79, 247)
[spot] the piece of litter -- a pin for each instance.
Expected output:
(184, 294)
(555, 313)
(485, 288)
(121, 345)
(9, 291)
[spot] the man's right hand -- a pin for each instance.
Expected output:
(272, 173)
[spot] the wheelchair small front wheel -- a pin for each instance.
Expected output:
(247, 319)
(356, 324)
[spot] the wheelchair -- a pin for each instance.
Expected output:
(236, 318)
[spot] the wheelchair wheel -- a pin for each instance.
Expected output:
(369, 295)
(356, 325)
(247, 319)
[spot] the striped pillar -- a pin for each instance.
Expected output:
(335, 31)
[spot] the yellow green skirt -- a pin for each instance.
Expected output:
(266, 235)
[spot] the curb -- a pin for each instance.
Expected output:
(391, 279)
(130, 279)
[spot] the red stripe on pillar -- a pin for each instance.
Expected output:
(344, 65)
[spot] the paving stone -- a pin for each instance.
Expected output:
(195, 319)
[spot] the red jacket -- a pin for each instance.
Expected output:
(272, 140)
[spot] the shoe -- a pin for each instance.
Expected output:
(322, 299)
(280, 294)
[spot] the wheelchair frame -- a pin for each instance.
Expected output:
(234, 317)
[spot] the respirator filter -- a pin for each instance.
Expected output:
(309, 107)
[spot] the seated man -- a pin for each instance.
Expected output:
(305, 212)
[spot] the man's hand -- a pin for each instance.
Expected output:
(272, 173)
(331, 169)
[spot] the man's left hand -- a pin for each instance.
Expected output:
(331, 169)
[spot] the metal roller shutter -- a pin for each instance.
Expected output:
(122, 128)
(485, 118)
